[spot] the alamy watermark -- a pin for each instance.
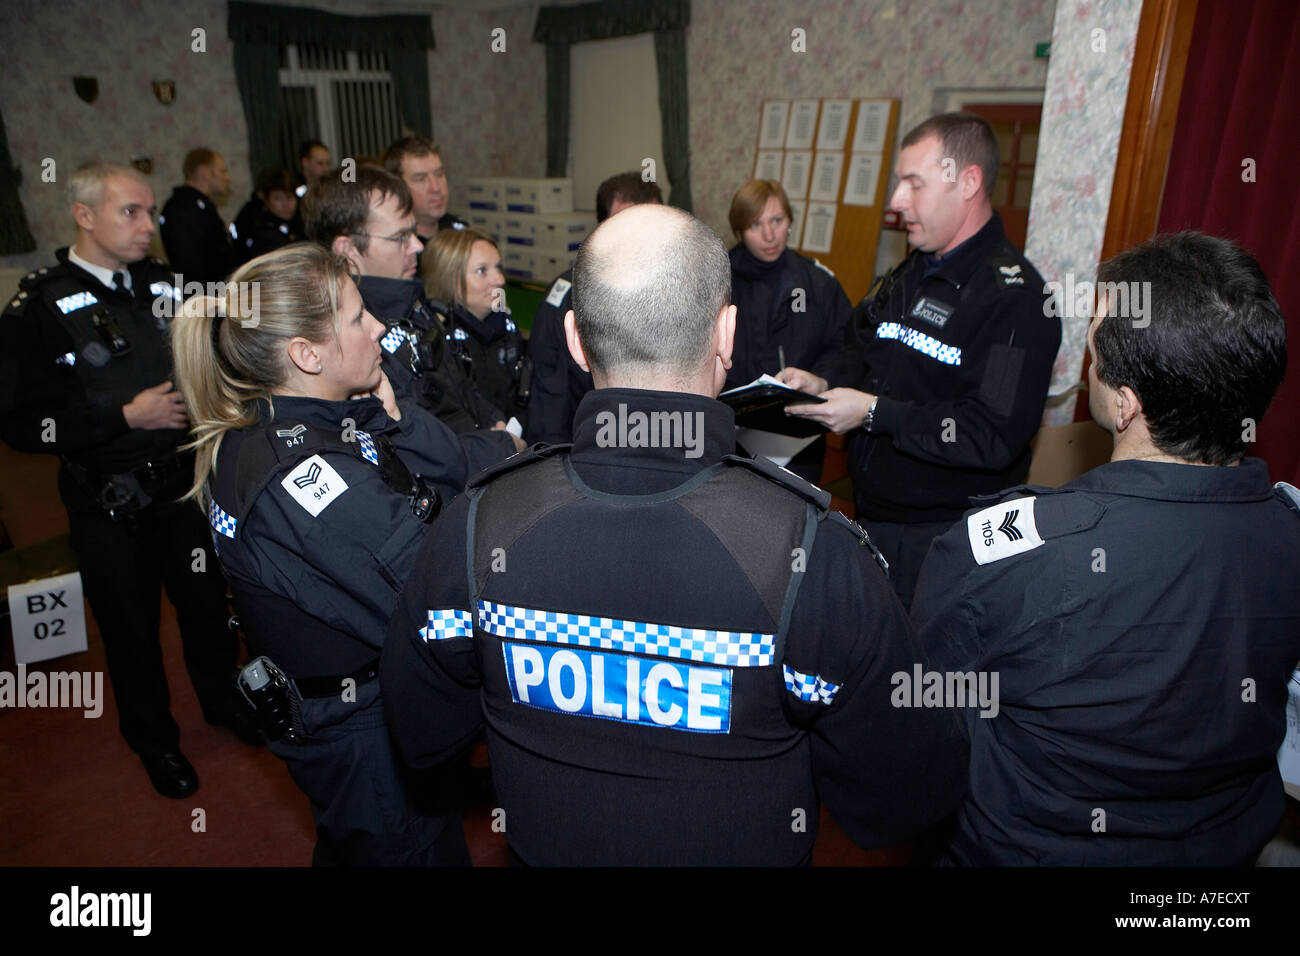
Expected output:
(248, 298)
(638, 429)
(922, 688)
(82, 690)
(1124, 300)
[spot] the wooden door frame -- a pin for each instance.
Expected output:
(1154, 91)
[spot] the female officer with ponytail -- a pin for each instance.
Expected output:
(319, 489)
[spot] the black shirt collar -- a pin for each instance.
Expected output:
(1165, 481)
(389, 299)
(366, 413)
(605, 431)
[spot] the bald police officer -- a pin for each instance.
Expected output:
(677, 652)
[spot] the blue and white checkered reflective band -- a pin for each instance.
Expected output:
(221, 522)
(947, 354)
(166, 288)
(447, 622)
(458, 335)
(368, 450)
(726, 648)
(71, 303)
(393, 340)
(809, 687)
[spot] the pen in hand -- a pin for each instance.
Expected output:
(780, 374)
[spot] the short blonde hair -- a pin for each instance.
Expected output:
(445, 261)
(747, 205)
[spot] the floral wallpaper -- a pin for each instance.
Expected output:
(489, 107)
(1083, 111)
(741, 53)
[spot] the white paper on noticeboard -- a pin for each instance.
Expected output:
(864, 176)
(825, 186)
(819, 227)
(797, 208)
(768, 164)
(803, 123)
(772, 133)
(794, 178)
(873, 121)
(835, 124)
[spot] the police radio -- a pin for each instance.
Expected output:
(267, 689)
(428, 350)
(110, 332)
(523, 375)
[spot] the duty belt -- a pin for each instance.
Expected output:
(317, 687)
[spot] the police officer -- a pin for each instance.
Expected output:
(1144, 619)
(198, 246)
(789, 308)
(269, 219)
(944, 384)
(418, 163)
(318, 508)
(86, 376)
(677, 652)
(558, 381)
(371, 222)
(463, 269)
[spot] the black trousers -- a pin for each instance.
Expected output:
(125, 564)
(369, 810)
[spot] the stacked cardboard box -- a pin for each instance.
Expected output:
(532, 220)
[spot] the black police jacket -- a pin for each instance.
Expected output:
(257, 230)
(195, 238)
(959, 352)
(315, 542)
(496, 350)
(1142, 622)
(675, 655)
(74, 352)
(558, 382)
(793, 303)
(447, 390)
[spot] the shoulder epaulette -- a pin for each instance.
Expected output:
(1025, 517)
(1009, 272)
(531, 454)
(1288, 494)
(786, 479)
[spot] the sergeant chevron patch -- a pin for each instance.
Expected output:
(1003, 531)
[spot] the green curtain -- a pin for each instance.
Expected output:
(674, 113)
(259, 30)
(15, 236)
(559, 27)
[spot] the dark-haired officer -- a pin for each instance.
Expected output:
(943, 384)
(558, 382)
(1144, 619)
(197, 243)
(678, 653)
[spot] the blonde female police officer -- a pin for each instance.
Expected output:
(316, 499)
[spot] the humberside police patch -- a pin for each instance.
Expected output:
(932, 311)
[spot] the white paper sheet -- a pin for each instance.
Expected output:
(873, 121)
(772, 133)
(803, 123)
(827, 170)
(819, 227)
(779, 448)
(798, 167)
(768, 164)
(835, 124)
(864, 176)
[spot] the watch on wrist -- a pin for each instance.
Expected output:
(871, 415)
